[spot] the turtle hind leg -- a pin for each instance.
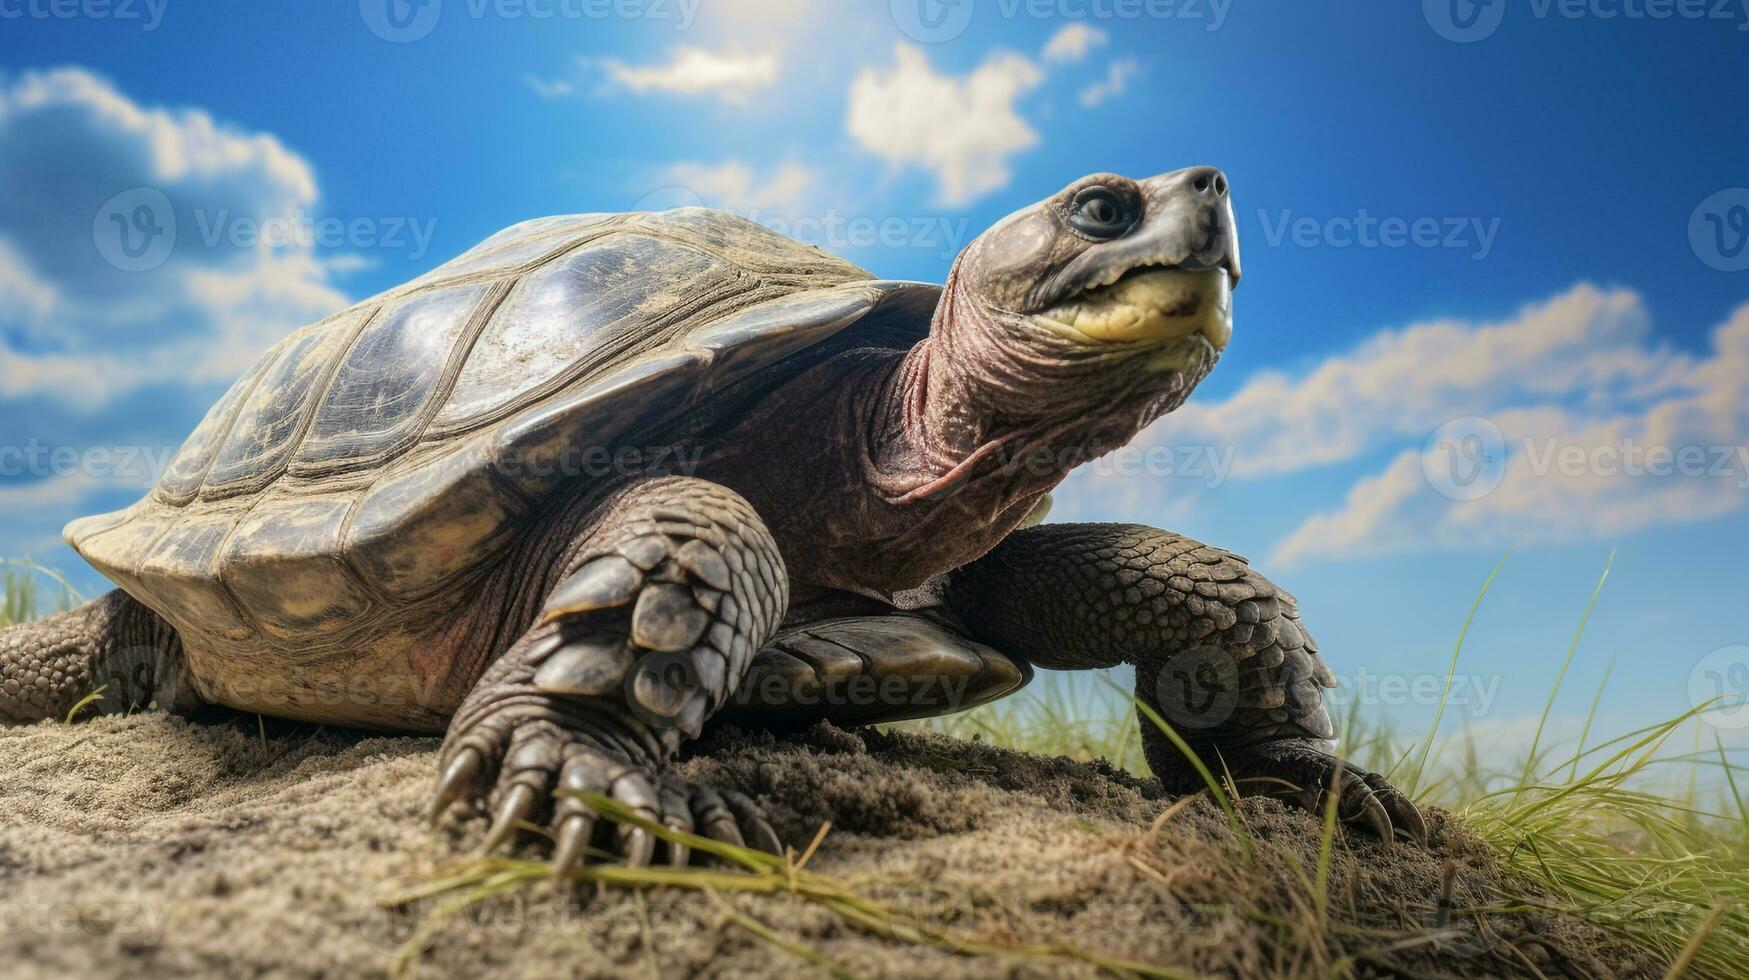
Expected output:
(112, 645)
(1219, 654)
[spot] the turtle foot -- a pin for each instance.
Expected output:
(670, 617)
(1300, 775)
(532, 776)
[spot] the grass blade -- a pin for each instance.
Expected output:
(1451, 672)
(1561, 675)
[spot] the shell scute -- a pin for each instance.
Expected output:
(285, 565)
(600, 298)
(422, 529)
(182, 568)
(182, 479)
(262, 440)
(376, 401)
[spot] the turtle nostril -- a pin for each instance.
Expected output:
(1206, 181)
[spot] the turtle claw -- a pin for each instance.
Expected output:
(539, 771)
(1405, 818)
(747, 814)
(1302, 776)
(676, 816)
(518, 805)
(637, 846)
(1371, 810)
(461, 775)
(571, 842)
(714, 817)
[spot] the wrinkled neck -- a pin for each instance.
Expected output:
(989, 397)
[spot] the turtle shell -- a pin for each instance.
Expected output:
(382, 456)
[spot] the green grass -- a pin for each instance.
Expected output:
(23, 582)
(1623, 832)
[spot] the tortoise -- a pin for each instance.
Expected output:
(606, 478)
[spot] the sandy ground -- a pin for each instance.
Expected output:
(153, 845)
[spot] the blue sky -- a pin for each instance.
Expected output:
(1532, 227)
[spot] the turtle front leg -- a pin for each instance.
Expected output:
(657, 612)
(1218, 650)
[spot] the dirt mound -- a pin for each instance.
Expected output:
(158, 845)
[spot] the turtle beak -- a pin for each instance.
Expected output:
(1170, 277)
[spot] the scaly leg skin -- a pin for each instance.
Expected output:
(653, 623)
(1218, 650)
(112, 643)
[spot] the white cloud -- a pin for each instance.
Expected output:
(23, 297)
(96, 359)
(1116, 82)
(1602, 431)
(1073, 42)
(1404, 383)
(731, 74)
(556, 88)
(733, 184)
(961, 129)
(82, 331)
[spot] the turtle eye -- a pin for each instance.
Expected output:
(1100, 213)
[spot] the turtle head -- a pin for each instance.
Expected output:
(1111, 264)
